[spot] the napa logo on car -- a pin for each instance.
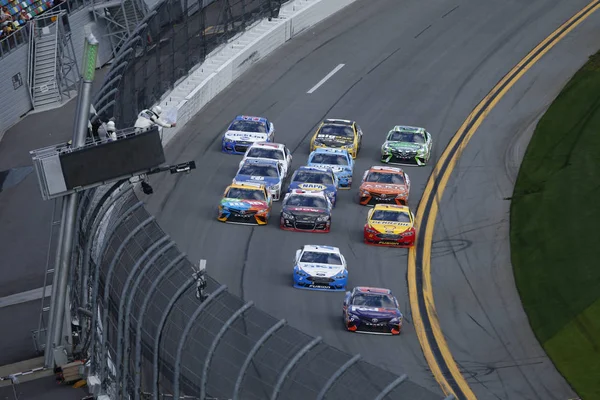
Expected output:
(317, 187)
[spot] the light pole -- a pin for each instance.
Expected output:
(54, 337)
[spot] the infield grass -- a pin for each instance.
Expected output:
(555, 231)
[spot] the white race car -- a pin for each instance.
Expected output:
(245, 130)
(273, 151)
(320, 268)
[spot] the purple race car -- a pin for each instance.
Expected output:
(372, 310)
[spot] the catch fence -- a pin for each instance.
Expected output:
(152, 337)
(174, 37)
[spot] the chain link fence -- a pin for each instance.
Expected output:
(174, 37)
(152, 337)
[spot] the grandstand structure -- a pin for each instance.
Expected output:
(41, 46)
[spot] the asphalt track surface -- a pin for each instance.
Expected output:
(405, 63)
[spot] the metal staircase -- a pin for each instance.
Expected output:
(53, 67)
(122, 17)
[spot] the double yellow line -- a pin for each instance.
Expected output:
(427, 325)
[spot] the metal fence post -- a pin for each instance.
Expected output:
(108, 280)
(185, 334)
(96, 283)
(388, 389)
(288, 368)
(138, 330)
(163, 320)
(215, 343)
(253, 351)
(337, 375)
(134, 288)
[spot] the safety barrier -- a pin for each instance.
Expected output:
(151, 335)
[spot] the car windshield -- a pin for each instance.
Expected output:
(306, 201)
(373, 300)
(262, 152)
(392, 216)
(407, 137)
(248, 126)
(322, 178)
(245, 194)
(259, 170)
(321, 258)
(337, 130)
(385, 177)
(329, 159)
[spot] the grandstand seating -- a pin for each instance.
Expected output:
(32, 9)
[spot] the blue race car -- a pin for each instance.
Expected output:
(338, 160)
(372, 310)
(266, 171)
(245, 130)
(320, 268)
(315, 180)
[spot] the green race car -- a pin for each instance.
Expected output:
(406, 145)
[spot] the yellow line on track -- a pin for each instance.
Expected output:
(420, 290)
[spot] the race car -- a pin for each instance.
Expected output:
(384, 185)
(273, 151)
(245, 130)
(268, 172)
(407, 145)
(305, 211)
(338, 133)
(372, 310)
(315, 180)
(337, 160)
(320, 268)
(245, 203)
(390, 225)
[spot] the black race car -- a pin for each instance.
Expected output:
(306, 211)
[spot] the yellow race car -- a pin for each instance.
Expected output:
(390, 225)
(338, 134)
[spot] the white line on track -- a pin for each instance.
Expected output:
(24, 297)
(322, 81)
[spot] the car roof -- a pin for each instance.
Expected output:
(392, 207)
(329, 150)
(337, 121)
(375, 290)
(250, 118)
(261, 161)
(315, 169)
(279, 146)
(247, 185)
(408, 129)
(393, 170)
(321, 249)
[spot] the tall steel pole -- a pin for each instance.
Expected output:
(67, 230)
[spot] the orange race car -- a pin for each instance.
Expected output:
(384, 185)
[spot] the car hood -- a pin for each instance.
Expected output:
(334, 141)
(249, 136)
(312, 187)
(373, 312)
(394, 228)
(407, 146)
(244, 205)
(308, 211)
(337, 169)
(321, 270)
(383, 188)
(267, 181)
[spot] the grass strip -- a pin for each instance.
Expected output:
(555, 231)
